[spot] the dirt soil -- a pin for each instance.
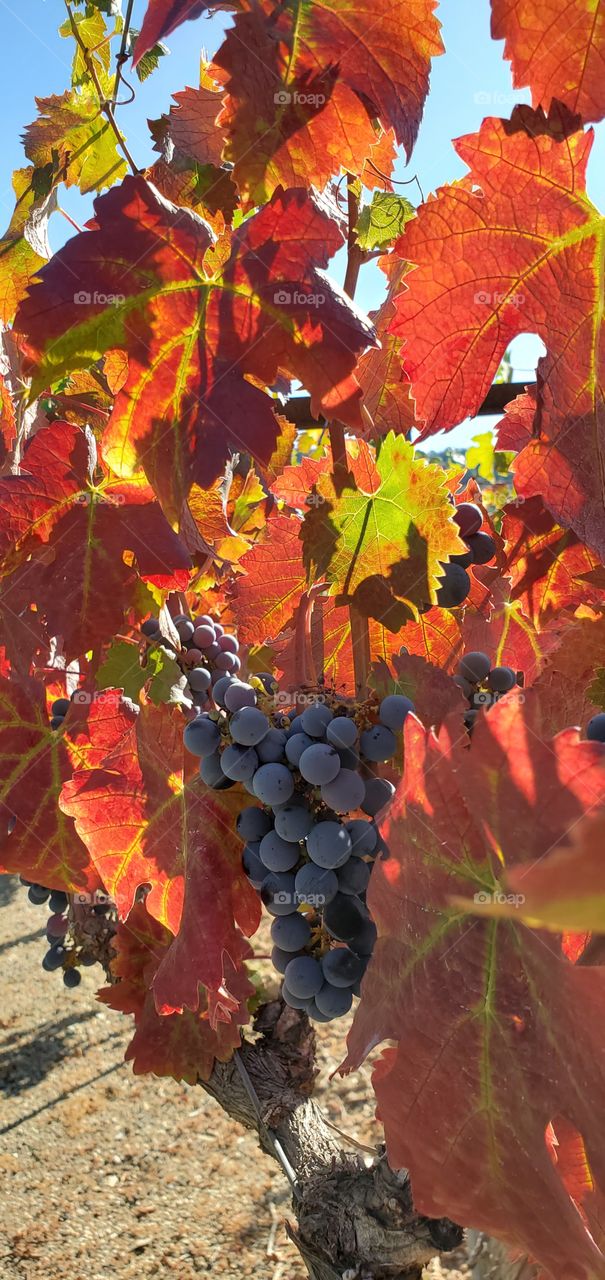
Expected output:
(108, 1176)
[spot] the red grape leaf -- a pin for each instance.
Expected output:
(432, 691)
(36, 839)
(501, 255)
(563, 692)
(383, 53)
(515, 429)
(545, 562)
(265, 597)
(185, 1045)
(436, 636)
(145, 822)
(193, 338)
(162, 17)
(391, 520)
(558, 48)
(286, 125)
(192, 124)
(494, 1027)
(508, 635)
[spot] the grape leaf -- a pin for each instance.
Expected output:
(493, 995)
(557, 48)
(37, 840)
(392, 519)
(516, 428)
(436, 636)
(121, 669)
(71, 131)
(386, 393)
(508, 635)
(24, 246)
(193, 337)
(432, 691)
(265, 597)
(545, 562)
(145, 822)
(162, 17)
(383, 220)
(500, 258)
(183, 1046)
(191, 124)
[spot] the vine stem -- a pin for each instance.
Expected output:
(122, 54)
(104, 106)
(360, 636)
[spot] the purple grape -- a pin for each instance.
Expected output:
(316, 719)
(228, 644)
(315, 885)
(319, 764)
(394, 710)
(273, 784)
(474, 667)
(595, 729)
(291, 932)
(501, 679)
(378, 744)
(248, 726)
(379, 791)
(455, 586)
(482, 548)
(253, 823)
(295, 745)
(201, 736)
(204, 636)
(239, 695)
(341, 967)
(345, 793)
(342, 732)
(293, 822)
(199, 680)
(364, 837)
(277, 854)
(271, 748)
(329, 844)
(303, 977)
(469, 518)
(239, 762)
(334, 1002)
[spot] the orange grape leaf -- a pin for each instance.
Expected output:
(557, 47)
(145, 822)
(195, 336)
(545, 562)
(37, 840)
(493, 995)
(184, 1046)
(517, 228)
(266, 596)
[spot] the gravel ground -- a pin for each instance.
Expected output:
(104, 1174)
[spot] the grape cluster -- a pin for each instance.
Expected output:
(455, 581)
(206, 651)
(59, 710)
(79, 930)
(310, 839)
(483, 684)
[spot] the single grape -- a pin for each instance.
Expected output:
(59, 901)
(294, 1002)
(204, 636)
(279, 894)
(319, 764)
(212, 651)
(482, 548)
(467, 688)
(315, 885)
(295, 745)
(53, 959)
(203, 620)
(56, 722)
(239, 695)
(151, 627)
(469, 518)
(38, 895)
(219, 629)
(501, 679)
(349, 759)
(279, 957)
(228, 662)
(290, 933)
(271, 748)
(238, 762)
(273, 784)
(254, 868)
(60, 706)
(393, 711)
(344, 917)
(199, 679)
(278, 854)
(253, 823)
(363, 835)
(341, 967)
(228, 644)
(185, 629)
(316, 719)
(72, 978)
(345, 793)
(295, 725)
(474, 667)
(212, 774)
(342, 732)
(201, 736)
(193, 657)
(378, 743)
(354, 876)
(595, 729)
(334, 1002)
(248, 726)
(220, 687)
(57, 926)
(329, 844)
(363, 940)
(303, 977)
(455, 586)
(293, 822)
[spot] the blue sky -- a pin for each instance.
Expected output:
(472, 80)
